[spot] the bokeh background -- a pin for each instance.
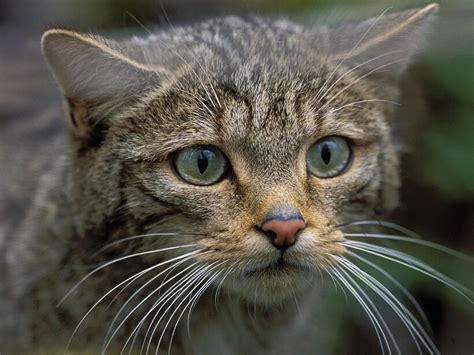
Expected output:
(435, 126)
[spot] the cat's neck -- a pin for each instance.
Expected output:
(245, 327)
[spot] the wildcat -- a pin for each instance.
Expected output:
(226, 157)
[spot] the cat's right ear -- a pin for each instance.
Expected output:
(95, 77)
(381, 47)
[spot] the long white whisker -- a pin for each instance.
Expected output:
(389, 225)
(183, 293)
(407, 294)
(355, 271)
(118, 260)
(410, 322)
(255, 302)
(365, 307)
(196, 296)
(196, 299)
(219, 286)
(412, 263)
(169, 292)
(110, 335)
(141, 288)
(131, 278)
(176, 289)
(374, 308)
(297, 305)
(337, 283)
(425, 243)
(168, 269)
(140, 236)
(187, 286)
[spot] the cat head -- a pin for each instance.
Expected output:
(251, 141)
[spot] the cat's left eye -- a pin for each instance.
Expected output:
(329, 157)
(201, 165)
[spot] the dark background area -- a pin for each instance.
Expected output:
(435, 125)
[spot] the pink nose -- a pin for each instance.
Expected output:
(284, 231)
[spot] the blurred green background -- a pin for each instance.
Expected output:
(434, 125)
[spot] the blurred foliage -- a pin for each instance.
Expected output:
(449, 165)
(449, 162)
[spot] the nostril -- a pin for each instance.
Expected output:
(270, 234)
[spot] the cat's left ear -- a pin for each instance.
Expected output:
(382, 46)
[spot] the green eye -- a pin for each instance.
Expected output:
(329, 157)
(203, 165)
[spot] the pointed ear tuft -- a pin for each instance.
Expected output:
(383, 45)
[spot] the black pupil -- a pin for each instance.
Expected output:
(203, 162)
(326, 154)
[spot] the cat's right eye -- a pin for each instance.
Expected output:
(329, 157)
(201, 165)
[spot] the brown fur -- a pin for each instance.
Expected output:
(251, 87)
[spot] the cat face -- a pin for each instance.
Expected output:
(251, 141)
(264, 139)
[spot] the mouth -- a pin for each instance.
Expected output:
(272, 281)
(278, 268)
